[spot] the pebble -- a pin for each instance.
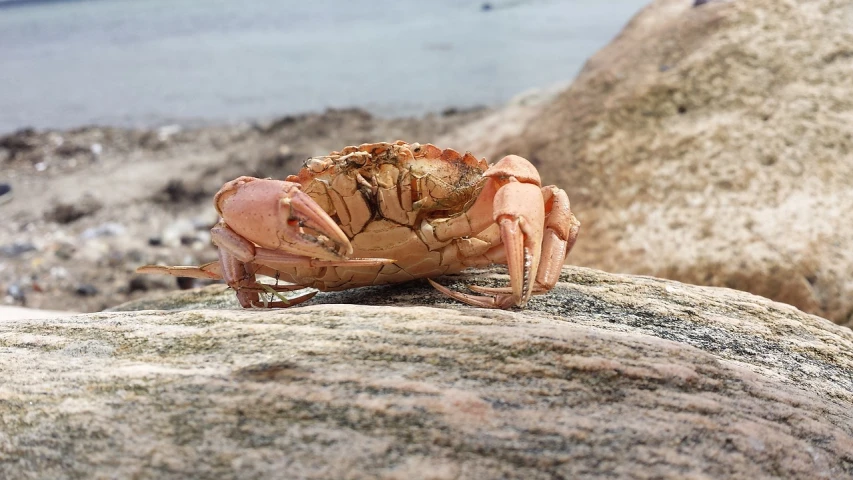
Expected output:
(16, 249)
(165, 132)
(109, 229)
(15, 292)
(5, 191)
(58, 272)
(86, 290)
(137, 284)
(65, 250)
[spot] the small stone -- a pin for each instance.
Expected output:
(64, 213)
(166, 132)
(58, 272)
(109, 229)
(16, 249)
(16, 293)
(135, 255)
(86, 290)
(65, 250)
(5, 193)
(155, 241)
(137, 284)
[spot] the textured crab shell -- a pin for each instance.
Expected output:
(396, 182)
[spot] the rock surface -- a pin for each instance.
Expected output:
(712, 145)
(607, 376)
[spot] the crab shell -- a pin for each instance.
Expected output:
(387, 213)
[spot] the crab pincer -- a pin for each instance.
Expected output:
(529, 217)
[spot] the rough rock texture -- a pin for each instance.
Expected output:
(713, 145)
(607, 376)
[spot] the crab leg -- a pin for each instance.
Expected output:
(534, 245)
(241, 277)
(208, 270)
(561, 231)
(520, 212)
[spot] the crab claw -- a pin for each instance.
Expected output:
(519, 210)
(278, 215)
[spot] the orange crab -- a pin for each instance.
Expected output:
(387, 213)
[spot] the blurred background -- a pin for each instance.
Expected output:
(142, 63)
(704, 141)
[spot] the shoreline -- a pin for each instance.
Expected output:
(197, 123)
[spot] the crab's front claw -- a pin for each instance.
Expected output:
(278, 215)
(519, 210)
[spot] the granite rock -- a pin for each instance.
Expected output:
(607, 376)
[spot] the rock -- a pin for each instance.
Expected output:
(65, 250)
(68, 149)
(108, 229)
(67, 212)
(710, 145)
(21, 141)
(606, 376)
(86, 290)
(5, 190)
(16, 249)
(15, 294)
(177, 191)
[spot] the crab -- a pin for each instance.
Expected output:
(385, 213)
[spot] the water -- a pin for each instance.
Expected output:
(135, 62)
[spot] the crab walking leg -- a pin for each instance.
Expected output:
(561, 231)
(235, 255)
(209, 271)
(241, 277)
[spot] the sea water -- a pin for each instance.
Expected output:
(147, 62)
